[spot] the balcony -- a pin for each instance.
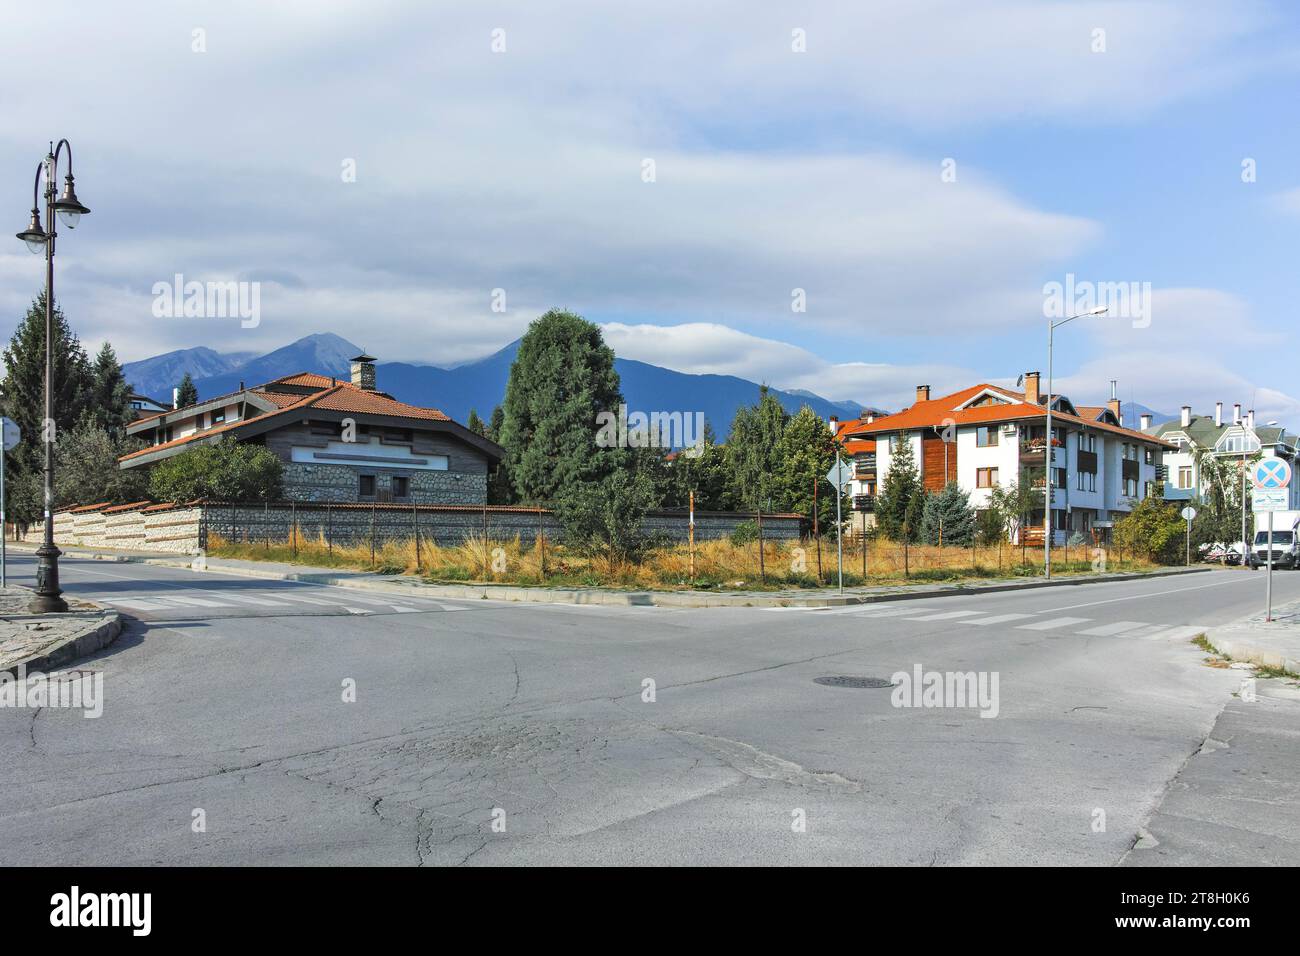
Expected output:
(1033, 451)
(1088, 462)
(864, 503)
(1129, 469)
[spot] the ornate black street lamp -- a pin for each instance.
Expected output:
(48, 593)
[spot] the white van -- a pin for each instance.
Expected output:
(1285, 544)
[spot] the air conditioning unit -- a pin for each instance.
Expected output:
(1008, 429)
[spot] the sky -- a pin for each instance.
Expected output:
(851, 198)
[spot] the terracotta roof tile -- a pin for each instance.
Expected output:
(308, 379)
(342, 397)
(938, 411)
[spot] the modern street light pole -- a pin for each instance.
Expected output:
(1051, 450)
(48, 597)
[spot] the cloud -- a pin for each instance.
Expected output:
(705, 348)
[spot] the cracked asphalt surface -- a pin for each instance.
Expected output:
(498, 733)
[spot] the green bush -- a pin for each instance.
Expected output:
(1153, 530)
(227, 471)
(746, 532)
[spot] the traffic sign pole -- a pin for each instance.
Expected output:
(1272, 476)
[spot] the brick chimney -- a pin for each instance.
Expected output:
(1186, 417)
(363, 371)
(835, 425)
(1032, 395)
(1115, 408)
(923, 393)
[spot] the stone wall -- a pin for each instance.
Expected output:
(184, 529)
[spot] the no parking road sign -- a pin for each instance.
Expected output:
(1271, 478)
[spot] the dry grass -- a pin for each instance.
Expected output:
(718, 563)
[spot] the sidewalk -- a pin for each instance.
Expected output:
(405, 584)
(45, 642)
(1273, 644)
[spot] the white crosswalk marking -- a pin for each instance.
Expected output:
(1053, 624)
(998, 619)
(1184, 633)
(305, 599)
(1119, 627)
(944, 616)
(403, 609)
(250, 599)
(356, 610)
(452, 607)
(139, 604)
(888, 611)
(193, 601)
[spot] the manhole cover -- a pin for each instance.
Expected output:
(861, 682)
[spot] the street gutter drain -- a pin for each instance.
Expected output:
(856, 682)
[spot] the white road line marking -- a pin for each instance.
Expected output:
(943, 616)
(1052, 624)
(998, 619)
(194, 602)
(137, 603)
(403, 609)
(356, 610)
(249, 599)
(871, 613)
(453, 607)
(1184, 633)
(1233, 579)
(1119, 627)
(304, 598)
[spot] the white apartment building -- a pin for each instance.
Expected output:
(985, 436)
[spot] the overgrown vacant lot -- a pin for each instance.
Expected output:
(721, 564)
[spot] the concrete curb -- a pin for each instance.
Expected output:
(96, 637)
(404, 584)
(1244, 649)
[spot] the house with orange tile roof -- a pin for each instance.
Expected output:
(984, 436)
(339, 441)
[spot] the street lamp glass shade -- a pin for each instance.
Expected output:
(68, 207)
(34, 235)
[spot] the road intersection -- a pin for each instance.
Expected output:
(495, 732)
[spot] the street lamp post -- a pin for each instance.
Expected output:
(1051, 450)
(48, 597)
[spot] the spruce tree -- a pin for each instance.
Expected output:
(188, 393)
(562, 378)
(110, 395)
(805, 454)
(948, 517)
(901, 502)
(753, 452)
(475, 424)
(24, 400)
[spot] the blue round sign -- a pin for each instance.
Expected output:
(1272, 473)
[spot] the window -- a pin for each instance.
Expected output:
(1058, 477)
(219, 417)
(1130, 452)
(367, 486)
(1087, 442)
(1149, 455)
(1130, 487)
(1184, 476)
(986, 436)
(986, 477)
(1087, 481)
(401, 487)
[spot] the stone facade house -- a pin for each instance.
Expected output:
(339, 441)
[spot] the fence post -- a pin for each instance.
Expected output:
(293, 527)
(541, 528)
(485, 540)
(817, 535)
(762, 566)
(329, 529)
(266, 519)
(374, 506)
(415, 524)
(690, 536)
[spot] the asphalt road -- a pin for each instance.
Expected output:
(226, 695)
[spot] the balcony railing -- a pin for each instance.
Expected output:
(864, 502)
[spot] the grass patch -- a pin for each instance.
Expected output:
(719, 565)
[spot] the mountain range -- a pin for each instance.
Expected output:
(478, 385)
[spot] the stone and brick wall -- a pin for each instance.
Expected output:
(182, 529)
